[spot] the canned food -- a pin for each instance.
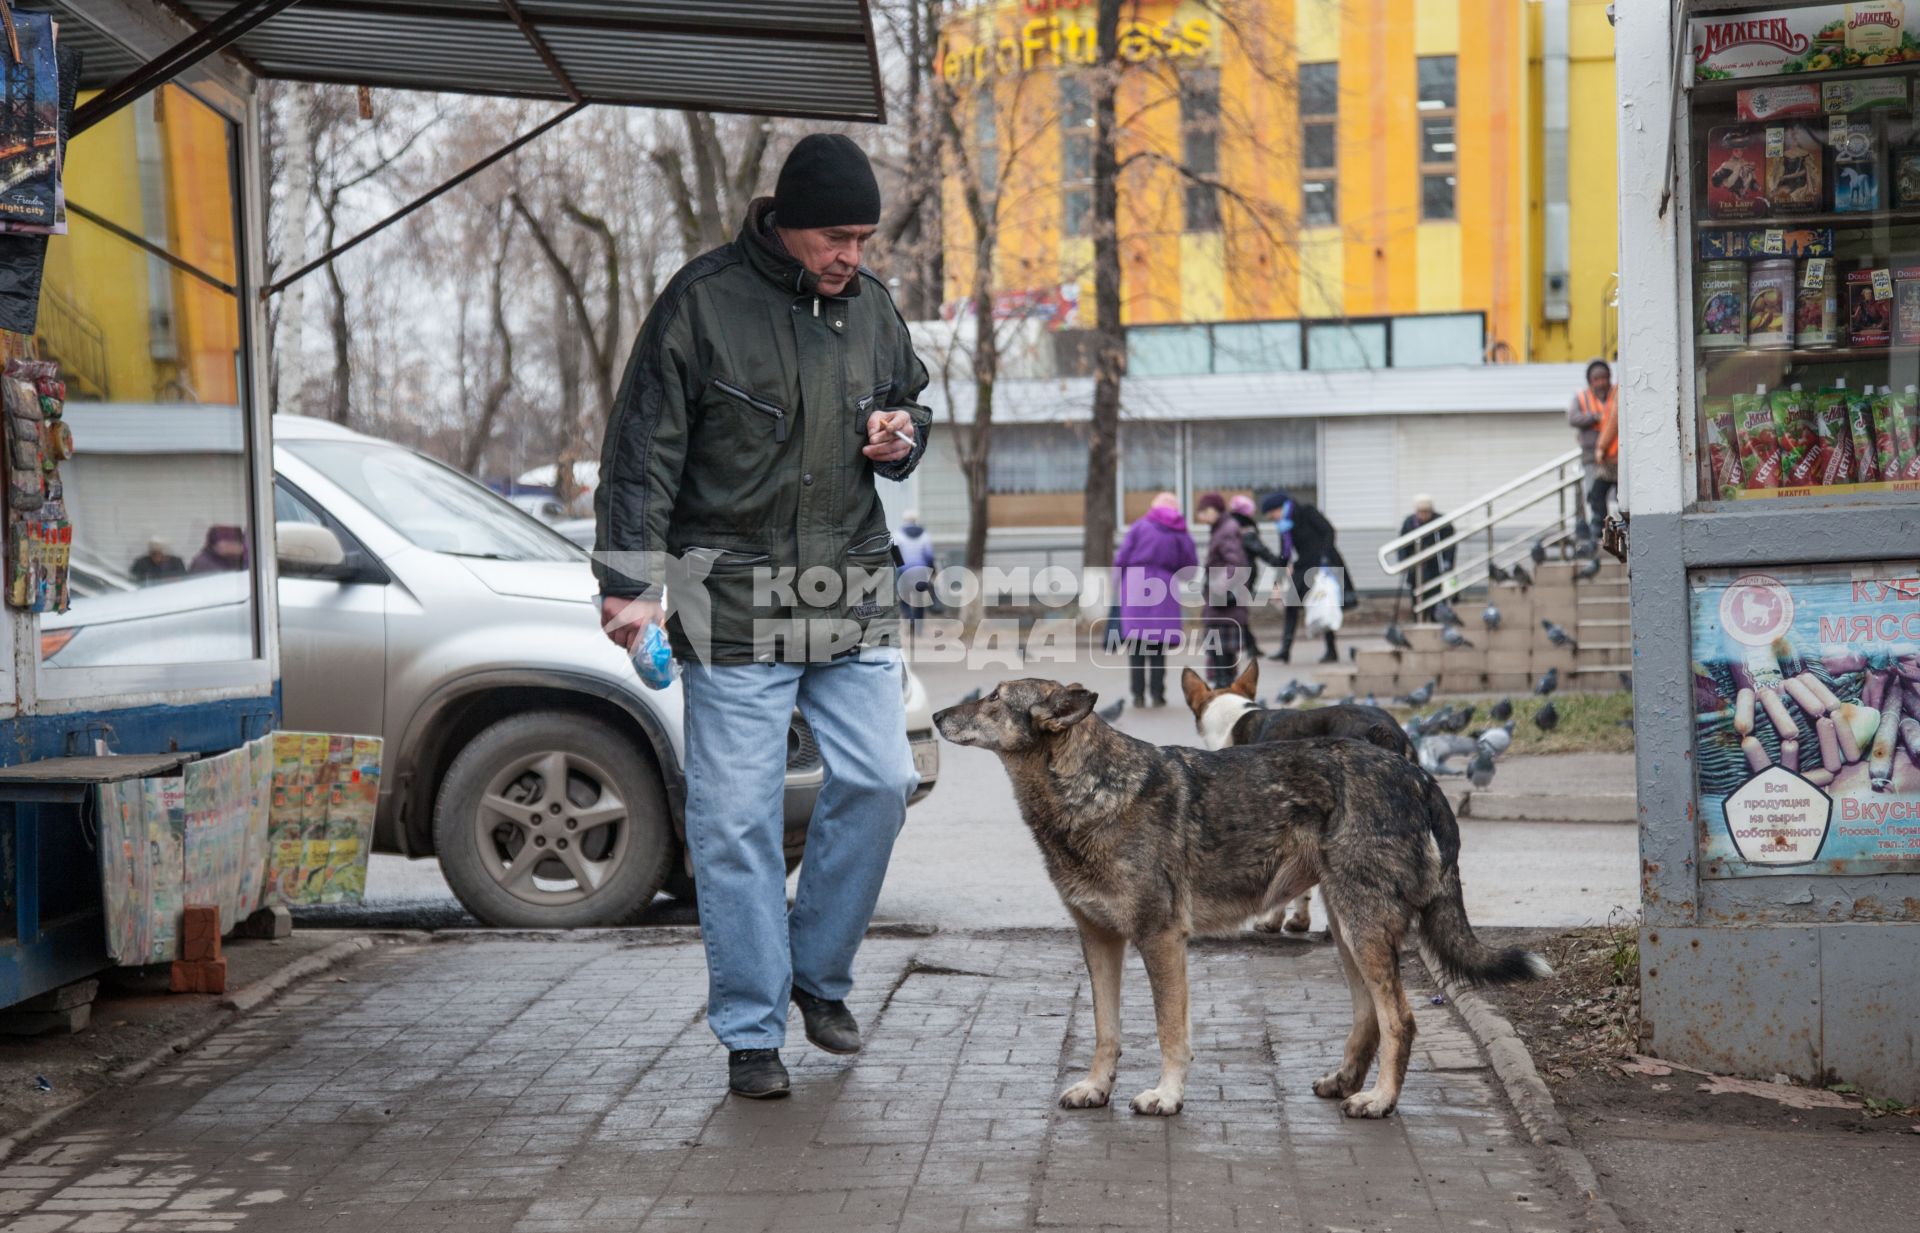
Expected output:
(1816, 315)
(1721, 322)
(1770, 297)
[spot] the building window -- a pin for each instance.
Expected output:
(1076, 154)
(1255, 456)
(1256, 346)
(1439, 144)
(1347, 344)
(1429, 342)
(1200, 146)
(1167, 351)
(986, 142)
(1319, 144)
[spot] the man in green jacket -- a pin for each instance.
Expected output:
(772, 381)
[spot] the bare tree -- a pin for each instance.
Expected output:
(711, 174)
(1110, 342)
(502, 385)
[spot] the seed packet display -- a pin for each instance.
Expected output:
(1856, 166)
(1723, 450)
(1721, 319)
(1736, 172)
(1906, 178)
(1770, 309)
(1796, 165)
(1758, 440)
(1869, 314)
(1799, 442)
(1836, 441)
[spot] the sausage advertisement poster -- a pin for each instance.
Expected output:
(1806, 684)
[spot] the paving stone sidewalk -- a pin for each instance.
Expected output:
(571, 1086)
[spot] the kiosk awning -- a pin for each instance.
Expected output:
(764, 57)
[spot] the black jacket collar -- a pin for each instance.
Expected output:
(765, 253)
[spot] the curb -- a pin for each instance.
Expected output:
(231, 1009)
(1531, 1099)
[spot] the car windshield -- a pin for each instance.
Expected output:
(434, 506)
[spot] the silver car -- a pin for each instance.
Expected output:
(521, 749)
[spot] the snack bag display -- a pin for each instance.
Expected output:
(1758, 440)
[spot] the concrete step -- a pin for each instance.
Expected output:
(1492, 805)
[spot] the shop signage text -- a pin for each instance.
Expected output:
(1054, 41)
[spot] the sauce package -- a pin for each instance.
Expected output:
(1799, 441)
(1869, 318)
(1910, 404)
(1860, 427)
(1836, 441)
(1736, 172)
(1723, 450)
(1893, 447)
(1758, 442)
(1796, 165)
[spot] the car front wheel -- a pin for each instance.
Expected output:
(552, 820)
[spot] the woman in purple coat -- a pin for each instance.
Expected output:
(1156, 548)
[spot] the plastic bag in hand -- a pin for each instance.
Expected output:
(1323, 603)
(654, 659)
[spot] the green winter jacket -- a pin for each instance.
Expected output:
(731, 465)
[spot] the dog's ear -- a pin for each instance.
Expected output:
(1194, 688)
(1248, 683)
(1064, 709)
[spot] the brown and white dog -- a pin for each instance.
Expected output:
(1233, 716)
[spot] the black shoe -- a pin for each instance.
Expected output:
(1331, 657)
(1282, 656)
(1159, 699)
(756, 1074)
(830, 1025)
(1139, 702)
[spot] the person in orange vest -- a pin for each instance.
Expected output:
(1590, 408)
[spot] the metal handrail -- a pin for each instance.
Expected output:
(1559, 478)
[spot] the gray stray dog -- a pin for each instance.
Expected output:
(1152, 845)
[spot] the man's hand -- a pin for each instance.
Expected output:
(882, 445)
(625, 620)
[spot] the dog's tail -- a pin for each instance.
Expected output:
(1447, 939)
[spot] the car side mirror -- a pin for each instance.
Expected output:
(306, 550)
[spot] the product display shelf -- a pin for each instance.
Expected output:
(1851, 220)
(1824, 355)
(1721, 90)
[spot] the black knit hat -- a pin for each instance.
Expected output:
(826, 182)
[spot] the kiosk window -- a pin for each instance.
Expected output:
(152, 351)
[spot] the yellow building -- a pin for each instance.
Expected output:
(1390, 170)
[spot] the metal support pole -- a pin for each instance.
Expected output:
(175, 60)
(26, 886)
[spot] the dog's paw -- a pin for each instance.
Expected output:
(1155, 1103)
(1085, 1094)
(1266, 924)
(1370, 1103)
(1334, 1086)
(1298, 924)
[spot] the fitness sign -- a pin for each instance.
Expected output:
(1807, 718)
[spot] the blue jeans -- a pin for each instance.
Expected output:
(737, 717)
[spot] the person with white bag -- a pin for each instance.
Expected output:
(1307, 542)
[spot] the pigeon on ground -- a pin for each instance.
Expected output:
(1461, 719)
(1314, 690)
(1497, 741)
(1590, 570)
(1287, 695)
(1548, 682)
(1415, 727)
(972, 695)
(1558, 635)
(1439, 720)
(1480, 769)
(1112, 713)
(1589, 548)
(1502, 710)
(1452, 636)
(1346, 701)
(1626, 681)
(1539, 552)
(1419, 696)
(1353, 652)
(1521, 576)
(1443, 612)
(1371, 701)
(1395, 638)
(1497, 573)
(1435, 751)
(1547, 718)
(1491, 617)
